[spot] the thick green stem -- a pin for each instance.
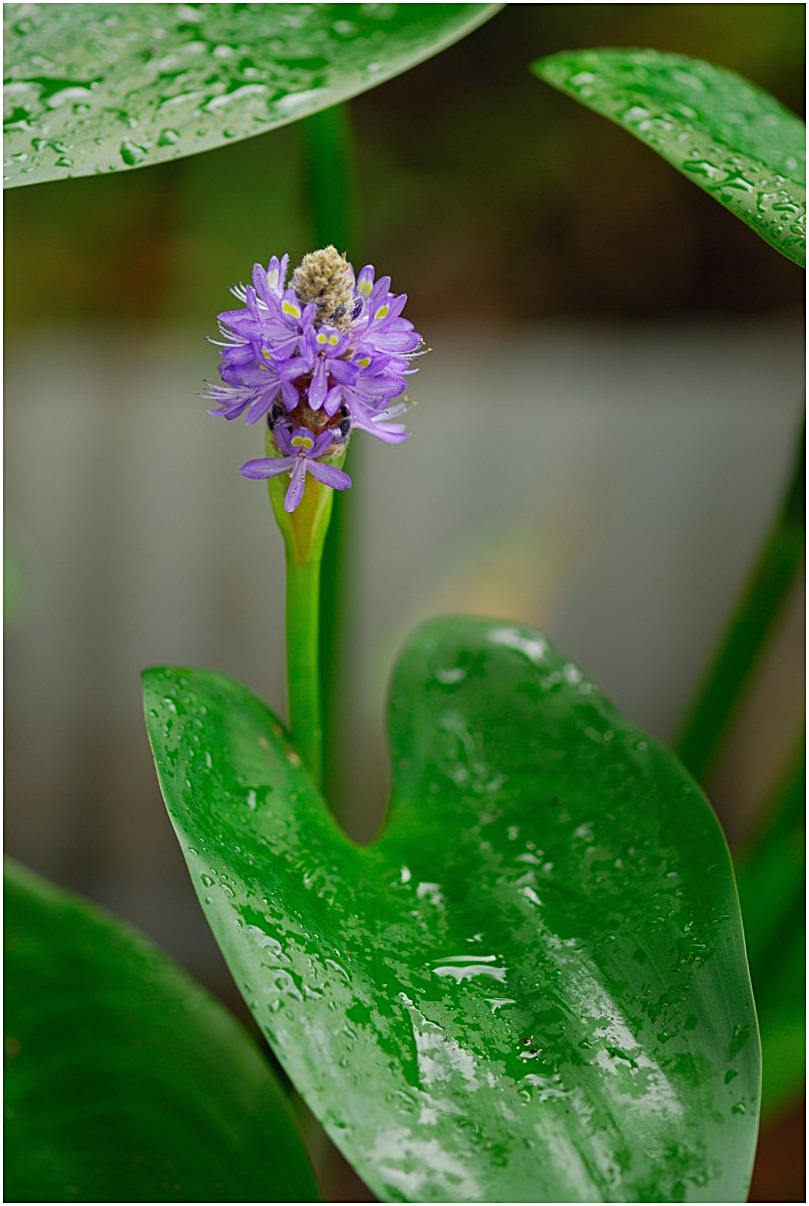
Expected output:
(770, 871)
(330, 182)
(303, 673)
(304, 532)
(708, 724)
(329, 177)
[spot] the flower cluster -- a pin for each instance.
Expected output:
(319, 356)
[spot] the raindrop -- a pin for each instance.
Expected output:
(132, 154)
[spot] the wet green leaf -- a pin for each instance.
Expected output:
(532, 986)
(104, 87)
(725, 134)
(125, 1082)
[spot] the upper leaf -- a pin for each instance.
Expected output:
(532, 986)
(125, 1082)
(725, 134)
(103, 87)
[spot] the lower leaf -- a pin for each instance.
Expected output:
(125, 1081)
(532, 986)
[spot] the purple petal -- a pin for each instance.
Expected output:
(333, 400)
(289, 395)
(295, 492)
(262, 404)
(329, 475)
(283, 438)
(365, 280)
(323, 441)
(318, 388)
(343, 372)
(268, 466)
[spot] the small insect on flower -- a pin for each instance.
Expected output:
(318, 357)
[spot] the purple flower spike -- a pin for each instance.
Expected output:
(301, 448)
(318, 355)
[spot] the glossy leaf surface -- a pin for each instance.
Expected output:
(532, 986)
(125, 1081)
(731, 138)
(104, 87)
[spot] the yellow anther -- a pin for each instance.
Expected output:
(302, 442)
(382, 312)
(290, 308)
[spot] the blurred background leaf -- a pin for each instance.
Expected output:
(125, 1081)
(728, 136)
(103, 87)
(523, 239)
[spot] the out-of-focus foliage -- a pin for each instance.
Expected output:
(95, 88)
(729, 137)
(771, 878)
(124, 1080)
(463, 152)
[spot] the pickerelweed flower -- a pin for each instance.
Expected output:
(317, 357)
(301, 450)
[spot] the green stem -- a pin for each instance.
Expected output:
(330, 180)
(304, 532)
(708, 724)
(303, 675)
(770, 869)
(329, 176)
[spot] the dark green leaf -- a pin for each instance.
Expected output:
(125, 1082)
(103, 87)
(722, 132)
(532, 986)
(772, 891)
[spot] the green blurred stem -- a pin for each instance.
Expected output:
(771, 877)
(770, 869)
(303, 675)
(328, 159)
(707, 726)
(329, 177)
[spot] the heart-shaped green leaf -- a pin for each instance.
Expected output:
(532, 986)
(103, 87)
(731, 138)
(125, 1082)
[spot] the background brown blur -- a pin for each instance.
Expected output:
(617, 371)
